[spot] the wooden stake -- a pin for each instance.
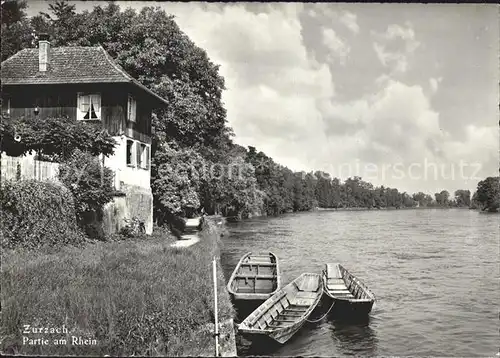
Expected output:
(216, 331)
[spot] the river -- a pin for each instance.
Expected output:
(435, 274)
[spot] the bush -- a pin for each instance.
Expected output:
(36, 214)
(91, 185)
(133, 228)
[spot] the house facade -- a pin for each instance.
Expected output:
(85, 84)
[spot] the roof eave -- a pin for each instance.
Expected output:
(162, 101)
(158, 98)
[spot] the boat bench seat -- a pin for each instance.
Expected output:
(286, 319)
(341, 293)
(251, 289)
(347, 297)
(260, 315)
(246, 264)
(256, 276)
(304, 294)
(336, 285)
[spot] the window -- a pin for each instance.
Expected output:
(130, 150)
(143, 156)
(89, 106)
(138, 154)
(132, 109)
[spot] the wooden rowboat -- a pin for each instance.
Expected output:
(256, 277)
(350, 295)
(285, 312)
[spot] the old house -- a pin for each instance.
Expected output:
(85, 84)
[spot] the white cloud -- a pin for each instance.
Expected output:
(397, 60)
(395, 46)
(326, 10)
(282, 101)
(398, 118)
(350, 20)
(434, 84)
(479, 143)
(395, 31)
(338, 49)
(273, 83)
(329, 12)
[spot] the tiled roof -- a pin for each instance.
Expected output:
(66, 65)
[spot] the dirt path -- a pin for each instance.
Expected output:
(186, 241)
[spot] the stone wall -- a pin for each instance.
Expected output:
(137, 202)
(114, 215)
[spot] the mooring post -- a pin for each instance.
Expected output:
(216, 331)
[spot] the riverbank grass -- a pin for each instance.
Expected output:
(134, 297)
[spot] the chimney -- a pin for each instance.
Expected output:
(43, 52)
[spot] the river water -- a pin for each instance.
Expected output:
(435, 274)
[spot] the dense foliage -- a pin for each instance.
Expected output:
(74, 144)
(182, 179)
(91, 185)
(175, 181)
(462, 198)
(488, 194)
(230, 188)
(36, 214)
(55, 138)
(17, 32)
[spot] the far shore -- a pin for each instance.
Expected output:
(392, 208)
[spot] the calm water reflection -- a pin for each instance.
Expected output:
(435, 274)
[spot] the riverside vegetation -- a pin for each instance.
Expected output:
(122, 291)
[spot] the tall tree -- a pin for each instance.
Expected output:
(442, 198)
(462, 197)
(16, 30)
(420, 198)
(488, 193)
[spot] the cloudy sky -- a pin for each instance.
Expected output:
(404, 95)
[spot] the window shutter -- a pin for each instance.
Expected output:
(79, 101)
(134, 109)
(138, 149)
(147, 157)
(130, 152)
(129, 108)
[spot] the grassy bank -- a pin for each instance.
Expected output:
(134, 297)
